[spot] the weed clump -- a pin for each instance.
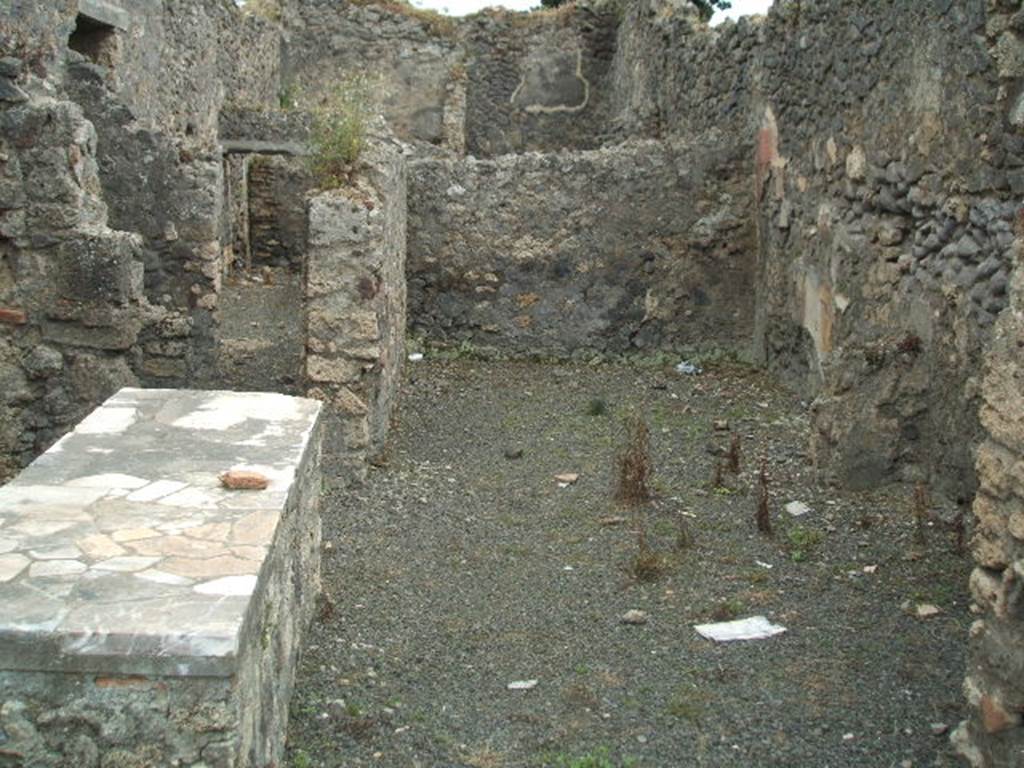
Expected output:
(597, 407)
(801, 542)
(732, 458)
(718, 476)
(633, 465)
(338, 131)
(632, 490)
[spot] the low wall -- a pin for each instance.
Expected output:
(149, 615)
(641, 247)
(356, 303)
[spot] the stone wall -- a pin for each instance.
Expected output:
(411, 57)
(885, 186)
(356, 302)
(111, 251)
(490, 84)
(637, 248)
(70, 287)
(277, 188)
(538, 81)
(994, 733)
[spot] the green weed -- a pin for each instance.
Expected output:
(802, 541)
(338, 133)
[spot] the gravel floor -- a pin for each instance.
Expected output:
(458, 570)
(261, 332)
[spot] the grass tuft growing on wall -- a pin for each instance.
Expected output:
(338, 131)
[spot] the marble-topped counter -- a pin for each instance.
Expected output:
(120, 551)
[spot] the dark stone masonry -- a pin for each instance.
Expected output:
(832, 192)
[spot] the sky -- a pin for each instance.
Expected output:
(462, 7)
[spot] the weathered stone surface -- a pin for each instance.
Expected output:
(356, 303)
(188, 642)
(639, 248)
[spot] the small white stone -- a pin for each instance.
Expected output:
(162, 577)
(522, 685)
(125, 564)
(108, 480)
(69, 552)
(107, 421)
(797, 508)
(634, 617)
(11, 566)
(42, 527)
(156, 490)
(7, 545)
(195, 498)
(228, 585)
(47, 568)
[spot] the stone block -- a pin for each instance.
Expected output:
(98, 268)
(182, 603)
(332, 370)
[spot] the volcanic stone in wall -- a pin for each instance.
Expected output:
(636, 248)
(277, 210)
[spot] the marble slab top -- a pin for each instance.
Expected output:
(121, 552)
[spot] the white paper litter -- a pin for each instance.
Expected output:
(753, 628)
(415, 357)
(797, 508)
(522, 685)
(689, 369)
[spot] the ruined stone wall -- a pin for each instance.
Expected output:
(538, 81)
(410, 57)
(356, 302)
(884, 171)
(490, 84)
(886, 227)
(110, 255)
(994, 733)
(277, 188)
(637, 248)
(70, 287)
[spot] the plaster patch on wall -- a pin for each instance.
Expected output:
(552, 84)
(818, 313)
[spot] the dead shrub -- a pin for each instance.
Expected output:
(633, 465)
(763, 515)
(732, 458)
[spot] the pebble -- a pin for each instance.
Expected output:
(939, 729)
(797, 508)
(513, 452)
(634, 617)
(927, 611)
(522, 685)
(337, 708)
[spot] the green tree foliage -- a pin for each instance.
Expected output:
(708, 7)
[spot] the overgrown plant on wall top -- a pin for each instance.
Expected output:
(338, 131)
(706, 8)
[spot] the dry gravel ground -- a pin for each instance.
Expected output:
(457, 570)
